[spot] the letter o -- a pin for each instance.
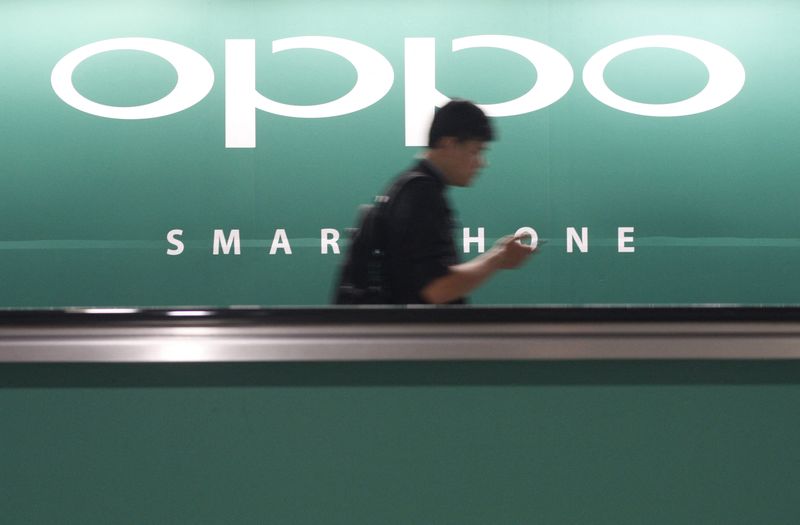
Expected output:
(527, 231)
(726, 76)
(195, 78)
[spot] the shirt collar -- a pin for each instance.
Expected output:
(428, 167)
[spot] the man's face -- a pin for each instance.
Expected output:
(465, 159)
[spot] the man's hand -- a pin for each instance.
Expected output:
(507, 253)
(510, 253)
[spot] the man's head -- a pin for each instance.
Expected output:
(457, 140)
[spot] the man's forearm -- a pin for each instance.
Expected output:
(461, 279)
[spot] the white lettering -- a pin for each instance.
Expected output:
(422, 97)
(172, 238)
(479, 240)
(573, 238)
(330, 238)
(526, 231)
(226, 243)
(554, 79)
(195, 78)
(375, 78)
(726, 76)
(280, 242)
(624, 239)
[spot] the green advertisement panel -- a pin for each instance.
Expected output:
(215, 153)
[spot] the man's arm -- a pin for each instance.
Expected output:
(462, 278)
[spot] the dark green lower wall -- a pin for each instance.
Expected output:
(411, 443)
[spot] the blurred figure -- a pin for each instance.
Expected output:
(403, 250)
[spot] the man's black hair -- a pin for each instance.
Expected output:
(462, 120)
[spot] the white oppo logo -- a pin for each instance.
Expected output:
(726, 77)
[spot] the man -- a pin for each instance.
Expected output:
(403, 252)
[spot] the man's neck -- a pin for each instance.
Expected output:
(436, 163)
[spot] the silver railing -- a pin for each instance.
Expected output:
(173, 336)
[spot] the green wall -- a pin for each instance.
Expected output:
(491, 442)
(86, 202)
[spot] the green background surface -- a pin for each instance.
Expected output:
(462, 443)
(86, 202)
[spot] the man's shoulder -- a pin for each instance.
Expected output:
(418, 179)
(417, 187)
